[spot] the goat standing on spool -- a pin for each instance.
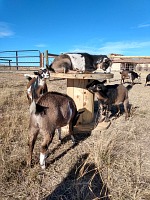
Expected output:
(37, 85)
(52, 111)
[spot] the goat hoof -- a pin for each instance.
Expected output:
(101, 119)
(28, 163)
(74, 142)
(107, 120)
(43, 166)
(60, 141)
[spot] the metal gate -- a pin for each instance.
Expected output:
(21, 58)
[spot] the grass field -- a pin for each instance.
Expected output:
(112, 164)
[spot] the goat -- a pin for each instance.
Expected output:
(111, 95)
(125, 74)
(79, 62)
(96, 82)
(37, 85)
(147, 79)
(52, 111)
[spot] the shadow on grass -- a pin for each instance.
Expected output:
(113, 110)
(83, 182)
(78, 137)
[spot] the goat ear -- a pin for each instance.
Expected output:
(36, 73)
(47, 66)
(104, 81)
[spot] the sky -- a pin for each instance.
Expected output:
(92, 26)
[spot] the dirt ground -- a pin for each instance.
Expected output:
(107, 164)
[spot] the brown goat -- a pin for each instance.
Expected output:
(52, 111)
(111, 95)
(37, 85)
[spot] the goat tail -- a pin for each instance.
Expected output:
(33, 107)
(78, 113)
(129, 87)
(27, 77)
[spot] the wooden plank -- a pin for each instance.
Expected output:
(84, 128)
(127, 60)
(102, 126)
(78, 97)
(72, 91)
(88, 127)
(113, 56)
(83, 99)
(88, 104)
(80, 128)
(70, 87)
(98, 76)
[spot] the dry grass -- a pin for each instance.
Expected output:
(110, 164)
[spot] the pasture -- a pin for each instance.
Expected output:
(112, 164)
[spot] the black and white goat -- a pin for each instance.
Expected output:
(109, 95)
(125, 74)
(52, 111)
(147, 79)
(79, 62)
(37, 85)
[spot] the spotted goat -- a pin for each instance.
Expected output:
(37, 86)
(79, 63)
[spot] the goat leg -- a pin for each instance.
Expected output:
(102, 109)
(71, 132)
(118, 112)
(48, 137)
(33, 132)
(126, 108)
(59, 134)
(107, 113)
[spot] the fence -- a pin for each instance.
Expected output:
(21, 58)
(25, 58)
(49, 56)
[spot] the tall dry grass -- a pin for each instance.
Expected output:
(109, 164)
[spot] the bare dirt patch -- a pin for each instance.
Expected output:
(108, 164)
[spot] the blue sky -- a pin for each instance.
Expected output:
(92, 26)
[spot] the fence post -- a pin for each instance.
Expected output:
(17, 59)
(42, 60)
(46, 57)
